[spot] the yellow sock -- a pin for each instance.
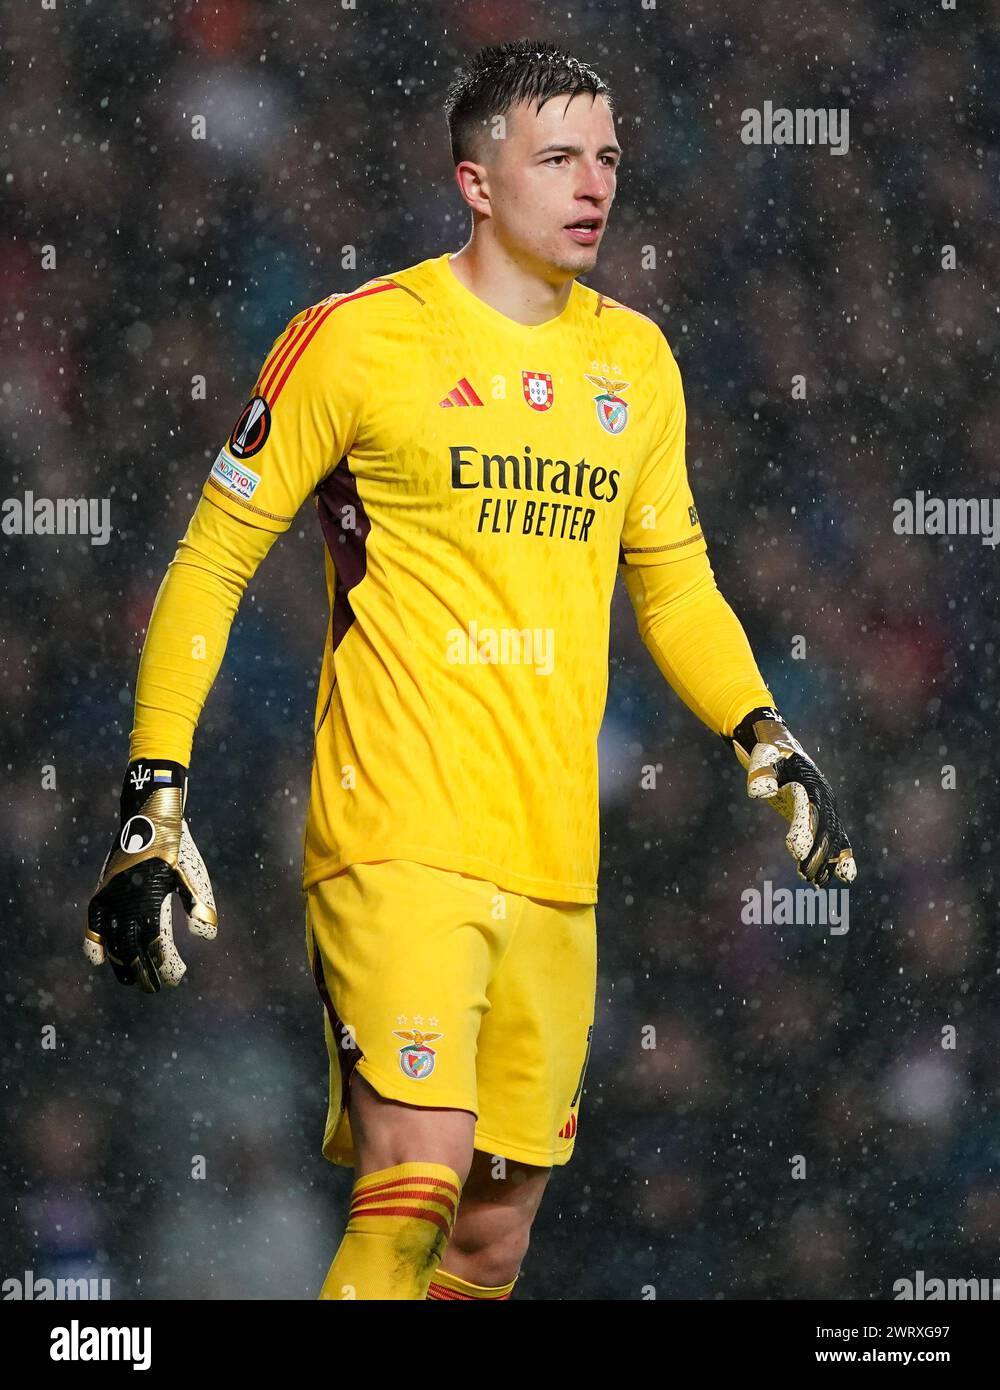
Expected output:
(400, 1222)
(444, 1285)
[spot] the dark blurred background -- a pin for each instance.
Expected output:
(177, 258)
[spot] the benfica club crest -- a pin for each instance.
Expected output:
(417, 1059)
(612, 411)
(537, 388)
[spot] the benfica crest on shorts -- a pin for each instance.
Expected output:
(612, 411)
(417, 1059)
(537, 388)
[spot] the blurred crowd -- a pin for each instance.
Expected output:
(804, 1126)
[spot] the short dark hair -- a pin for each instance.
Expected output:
(500, 77)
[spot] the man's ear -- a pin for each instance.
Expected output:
(473, 184)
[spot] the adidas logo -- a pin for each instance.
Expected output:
(463, 394)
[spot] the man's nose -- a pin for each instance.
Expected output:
(597, 182)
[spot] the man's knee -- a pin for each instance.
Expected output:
(495, 1216)
(488, 1253)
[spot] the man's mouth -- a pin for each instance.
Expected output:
(585, 230)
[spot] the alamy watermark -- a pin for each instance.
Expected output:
(31, 1289)
(802, 126)
(82, 1343)
(57, 516)
(925, 1287)
(796, 907)
(502, 646)
(948, 516)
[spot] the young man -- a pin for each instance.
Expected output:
(487, 442)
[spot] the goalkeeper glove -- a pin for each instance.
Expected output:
(780, 772)
(153, 856)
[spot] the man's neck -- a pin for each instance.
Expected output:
(504, 285)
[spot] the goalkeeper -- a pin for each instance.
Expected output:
(488, 444)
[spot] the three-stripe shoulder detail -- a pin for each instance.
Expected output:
(288, 350)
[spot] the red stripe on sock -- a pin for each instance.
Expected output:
(408, 1182)
(403, 1194)
(423, 1215)
(439, 1291)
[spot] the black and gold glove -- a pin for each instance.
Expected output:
(129, 919)
(780, 772)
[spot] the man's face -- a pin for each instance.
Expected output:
(551, 183)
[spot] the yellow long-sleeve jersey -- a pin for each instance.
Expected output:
(478, 484)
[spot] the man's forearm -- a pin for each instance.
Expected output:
(696, 640)
(189, 629)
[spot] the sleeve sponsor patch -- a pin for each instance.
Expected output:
(234, 476)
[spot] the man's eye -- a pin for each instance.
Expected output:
(554, 158)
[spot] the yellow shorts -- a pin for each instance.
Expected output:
(446, 991)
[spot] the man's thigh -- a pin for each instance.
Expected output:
(402, 955)
(386, 1133)
(534, 1043)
